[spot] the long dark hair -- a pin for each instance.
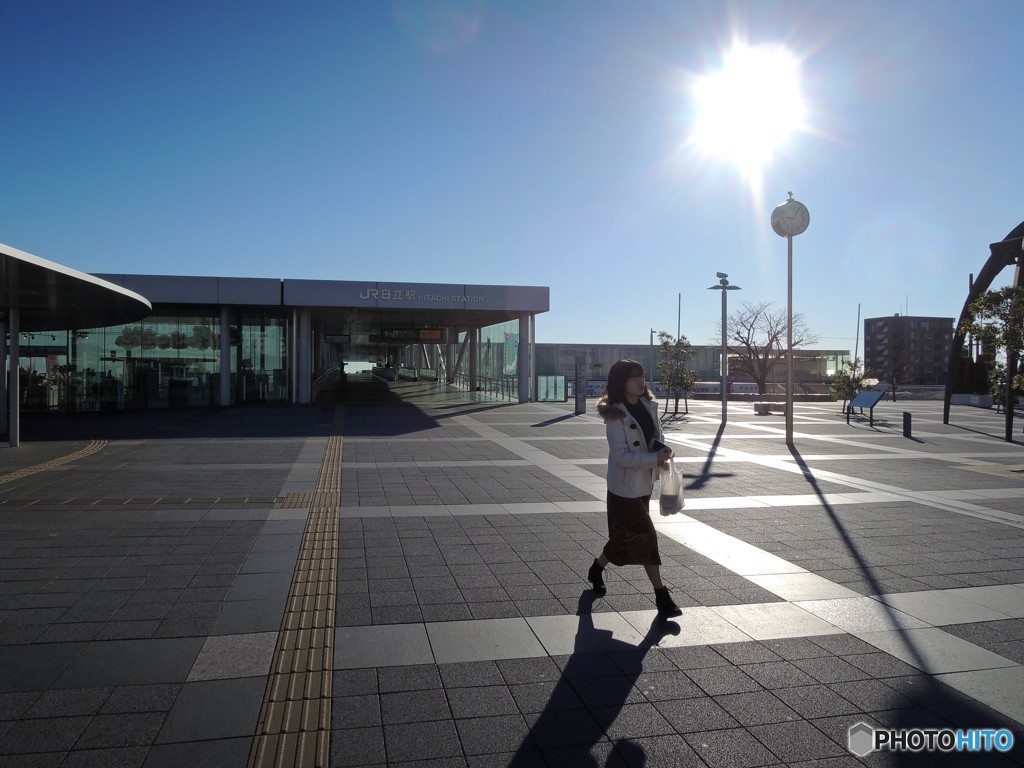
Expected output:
(618, 375)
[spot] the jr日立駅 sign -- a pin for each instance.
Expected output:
(406, 294)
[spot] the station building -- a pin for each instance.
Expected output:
(135, 341)
(230, 340)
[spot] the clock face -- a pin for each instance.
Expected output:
(791, 218)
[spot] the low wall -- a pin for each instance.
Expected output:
(980, 401)
(745, 398)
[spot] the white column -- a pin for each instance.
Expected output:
(533, 358)
(303, 357)
(474, 359)
(293, 357)
(467, 342)
(523, 358)
(3, 375)
(12, 388)
(225, 356)
(451, 337)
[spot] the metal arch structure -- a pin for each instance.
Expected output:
(1004, 253)
(41, 295)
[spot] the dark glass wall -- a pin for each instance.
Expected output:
(169, 360)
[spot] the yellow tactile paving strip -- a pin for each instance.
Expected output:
(91, 448)
(314, 499)
(294, 727)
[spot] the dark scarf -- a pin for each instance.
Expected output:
(643, 416)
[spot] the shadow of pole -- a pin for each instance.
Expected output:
(862, 565)
(705, 472)
(598, 679)
(985, 433)
(938, 705)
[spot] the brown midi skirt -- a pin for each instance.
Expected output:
(632, 539)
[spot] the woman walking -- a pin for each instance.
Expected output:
(635, 451)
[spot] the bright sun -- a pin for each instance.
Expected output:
(749, 108)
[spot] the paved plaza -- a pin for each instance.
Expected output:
(400, 580)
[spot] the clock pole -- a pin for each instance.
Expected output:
(788, 220)
(789, 340)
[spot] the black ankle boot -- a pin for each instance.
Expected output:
(594, 577)
(666, 606)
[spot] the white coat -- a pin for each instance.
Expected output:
(632, 464)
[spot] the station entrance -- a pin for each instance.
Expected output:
(427, 347)
(227, 341)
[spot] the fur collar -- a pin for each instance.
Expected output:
(614, 411)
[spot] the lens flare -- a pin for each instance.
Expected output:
(749, 109)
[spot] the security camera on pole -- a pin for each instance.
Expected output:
(789, 220)
(723, 286)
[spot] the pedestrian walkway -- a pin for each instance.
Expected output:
(402, 582)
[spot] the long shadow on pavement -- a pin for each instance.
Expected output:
(238, 421)
(597, 681)
(705, 473)
(925, 703)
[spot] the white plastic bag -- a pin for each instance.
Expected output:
(671, 498)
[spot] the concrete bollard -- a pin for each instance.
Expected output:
(906, 423)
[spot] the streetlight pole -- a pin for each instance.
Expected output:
(788, 220)
(650, 375)
(723, 286)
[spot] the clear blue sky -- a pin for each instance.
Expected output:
(533, 142)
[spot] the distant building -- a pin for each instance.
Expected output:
(811, 366)
(908, 349)
(560, 359)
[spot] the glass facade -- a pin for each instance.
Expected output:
(223, 341)
(171, 359)
(260, 369)
(499, 349)
(497, 354)
(499, 359)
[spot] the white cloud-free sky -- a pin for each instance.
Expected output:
(563, 143)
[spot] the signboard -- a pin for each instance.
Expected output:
(408, 335)
(867, 399)
(446, 296)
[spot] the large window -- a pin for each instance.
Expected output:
(43, 370)
(260, 366)
(171, 359)
(167, 360)
(499, 359)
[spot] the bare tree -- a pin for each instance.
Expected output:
(898, 375)
(757, 340)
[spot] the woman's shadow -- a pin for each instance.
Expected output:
(597, 680)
